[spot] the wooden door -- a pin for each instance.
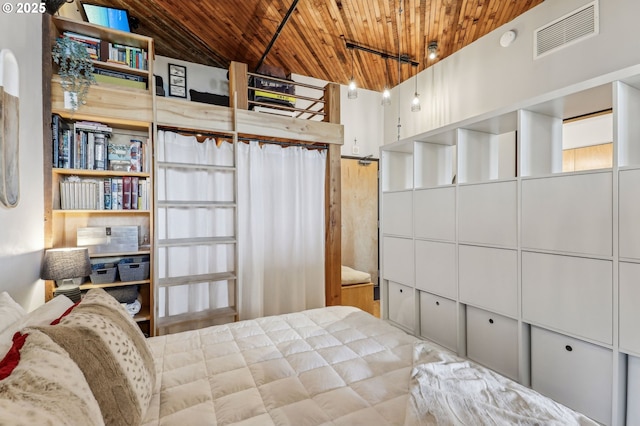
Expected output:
(360, 216)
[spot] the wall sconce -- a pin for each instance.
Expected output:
(433, 50)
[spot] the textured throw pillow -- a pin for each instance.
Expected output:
(41, 385)
(10, 311)
(42, 315)
(108, 346)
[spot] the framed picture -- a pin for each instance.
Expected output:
(177, 81)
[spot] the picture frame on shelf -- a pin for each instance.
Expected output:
(177, 81)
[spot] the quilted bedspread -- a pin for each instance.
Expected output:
(331, 366)
(335, 365)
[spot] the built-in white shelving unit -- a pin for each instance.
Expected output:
(491, 251)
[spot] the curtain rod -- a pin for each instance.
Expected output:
(195, 132)
(283, 143)
(240, 138)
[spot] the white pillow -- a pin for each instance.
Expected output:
(42, 315)
(10, 311)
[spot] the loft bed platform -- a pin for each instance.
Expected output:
(181, 113)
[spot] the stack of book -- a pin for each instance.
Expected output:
(120, 78)
(113, 193)
(79, 145)
(88, 145)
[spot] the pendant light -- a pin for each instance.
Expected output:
(352, 93)
(386, 93)
(415, 103)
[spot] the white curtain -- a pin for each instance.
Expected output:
(189, 212)
(280, 229)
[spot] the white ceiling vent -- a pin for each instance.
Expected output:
(569, 29)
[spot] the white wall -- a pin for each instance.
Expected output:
(22, 228)
(484, 77)
(199, 77)
(363, 120)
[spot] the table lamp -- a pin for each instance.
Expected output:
(68, 267)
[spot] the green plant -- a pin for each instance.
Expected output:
(75, 69)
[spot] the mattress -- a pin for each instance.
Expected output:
(335, 365)
(351, 276)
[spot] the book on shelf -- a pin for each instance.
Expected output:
(79, 145)
(92, 44)
(79, 194)
(107, 193)
(113, 193)
(126, 193)
(133, 57)
(135, 202)
(120, 78)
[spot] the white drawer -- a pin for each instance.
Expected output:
(401, 305)
(397, 213)
(492, 340)
(573, 372)
(572, 294)
(436, 268)
(438, 320)
(488, 278)
(633, 391)
(397, 260)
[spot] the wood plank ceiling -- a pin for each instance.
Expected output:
(313, 42)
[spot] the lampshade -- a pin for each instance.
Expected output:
(64, 263)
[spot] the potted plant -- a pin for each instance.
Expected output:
(75, 69)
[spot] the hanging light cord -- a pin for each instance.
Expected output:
(399, 60)
(352, 65)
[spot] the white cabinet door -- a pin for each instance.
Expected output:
(488, 278)
(487, 213)
(401, 305)
(572, 294)
(435, 213)
(436, 268)
(492, 340)
(397, 213)
(575, 373)
(397, 260)
(568, 213)
(438, 320)
(629, 214)
(629, 277)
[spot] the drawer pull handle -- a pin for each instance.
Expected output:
(437, 303)
(490, 320)
(568, 348)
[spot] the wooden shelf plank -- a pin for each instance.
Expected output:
(194, 279)
(99, 173)
(195, 241)
(168, 164)
(89, 286)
